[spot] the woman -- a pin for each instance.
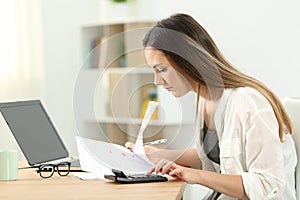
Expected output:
(242, 124)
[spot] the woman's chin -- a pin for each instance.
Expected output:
(177, 95)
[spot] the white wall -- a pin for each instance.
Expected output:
(61, 24)
(261, 38)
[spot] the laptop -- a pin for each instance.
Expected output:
(35, 133)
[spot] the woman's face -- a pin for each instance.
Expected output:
(166, 75)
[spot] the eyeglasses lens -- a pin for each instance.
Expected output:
(63, 169)
(46, 171)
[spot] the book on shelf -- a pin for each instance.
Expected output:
(107, 52)
(101, 53)
(94, 57)
(149, 94)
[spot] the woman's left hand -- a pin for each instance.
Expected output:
(188, 175)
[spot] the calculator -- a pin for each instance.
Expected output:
(121, 177)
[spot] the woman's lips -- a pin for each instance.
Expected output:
(169, 88)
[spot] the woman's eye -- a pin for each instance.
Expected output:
(162, 70)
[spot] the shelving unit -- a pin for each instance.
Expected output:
(115, 50)
(104, 44)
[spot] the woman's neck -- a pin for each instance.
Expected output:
(212, 98)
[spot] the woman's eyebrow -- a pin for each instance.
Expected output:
(156, 65)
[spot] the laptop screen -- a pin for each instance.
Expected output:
(33, 131)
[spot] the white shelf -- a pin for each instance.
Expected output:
(120, 70)
(114, 22)
(130, 70)
(111, 120)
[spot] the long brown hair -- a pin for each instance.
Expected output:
(187, 44)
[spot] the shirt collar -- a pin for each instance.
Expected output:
(220, 111)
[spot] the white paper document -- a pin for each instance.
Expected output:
(88, 175)
(100, 157)
(104, 156)
(139, 143)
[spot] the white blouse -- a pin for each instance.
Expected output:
(250, 146)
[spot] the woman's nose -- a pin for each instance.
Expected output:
(158, 80)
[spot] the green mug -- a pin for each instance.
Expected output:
(8, 165)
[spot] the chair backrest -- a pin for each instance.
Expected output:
(292, 106)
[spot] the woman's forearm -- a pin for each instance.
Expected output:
(188, 158)
(231, 185)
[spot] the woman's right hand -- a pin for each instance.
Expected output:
(151, 152)
(189, 175)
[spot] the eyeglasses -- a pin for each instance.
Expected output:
(47, 170)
